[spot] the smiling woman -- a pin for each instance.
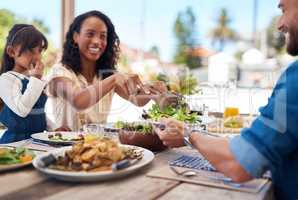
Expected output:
(81, 87)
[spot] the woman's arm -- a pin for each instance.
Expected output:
(145, 94)
(81, 98)
(138, 100)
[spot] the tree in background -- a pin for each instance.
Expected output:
(8, 19)
(275, 39)
(222, 33)
(185, 32)
(155, 51)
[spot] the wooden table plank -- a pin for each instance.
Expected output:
(38, 191)
(143, 187)
(139, 187)
(135, 186)
(13, 181)
(198, 192)
(28, 184)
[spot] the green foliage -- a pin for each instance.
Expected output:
(185, 32)
(8, 19)
(164, 78)
(188, 84)
(185, 83)
(223, 33)
(154, 50)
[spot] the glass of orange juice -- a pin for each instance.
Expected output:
(230, 112)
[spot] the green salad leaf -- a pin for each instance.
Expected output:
(12, 156)
(181, 113)
(135, 126)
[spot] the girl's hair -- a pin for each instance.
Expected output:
(25, 35)
(28, 37)
(105, 65)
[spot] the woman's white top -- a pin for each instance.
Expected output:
(61, 113)
(11, 92)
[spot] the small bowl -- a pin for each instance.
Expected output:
(148, 141)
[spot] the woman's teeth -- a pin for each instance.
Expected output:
(94, 50)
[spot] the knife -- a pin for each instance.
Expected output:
(46, 161)
(123, 164)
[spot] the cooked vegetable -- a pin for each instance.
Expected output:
(94, 155)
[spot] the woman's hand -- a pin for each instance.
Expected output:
(157, 87)
(36, 69)
(162, 96)
(129, 84)
(173, 133)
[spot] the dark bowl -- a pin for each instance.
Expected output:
(147, 141)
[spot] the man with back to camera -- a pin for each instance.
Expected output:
(271, 143)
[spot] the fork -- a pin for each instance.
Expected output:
(190, 173)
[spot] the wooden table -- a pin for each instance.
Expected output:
(28, 184)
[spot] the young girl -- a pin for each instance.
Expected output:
(21, 84)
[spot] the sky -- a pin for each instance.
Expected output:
(144, 23)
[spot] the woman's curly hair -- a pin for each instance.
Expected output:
(105, 65)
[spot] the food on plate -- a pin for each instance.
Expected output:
(180, 112)
(80, 137)
(140, 134)
(233, 122)
(94, 155)
(18, 155)
(229, 125)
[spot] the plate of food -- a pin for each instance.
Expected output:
(229, 125)
(94, 160)
(13, 158)
(62, 137)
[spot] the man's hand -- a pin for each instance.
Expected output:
(173, 134)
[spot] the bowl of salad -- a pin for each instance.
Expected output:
(140, 134)
(180, 112)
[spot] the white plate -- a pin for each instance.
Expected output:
(8, 167)
(13, 166)
(67, 135)
(148, 157)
